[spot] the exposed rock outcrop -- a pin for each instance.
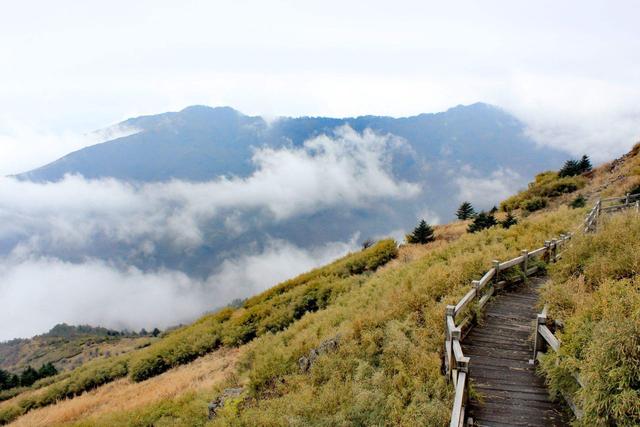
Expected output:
(218, 402)
(330, 345)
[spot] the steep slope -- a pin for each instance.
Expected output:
(67, 347)
(386, 325)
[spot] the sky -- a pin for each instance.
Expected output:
(570, 69)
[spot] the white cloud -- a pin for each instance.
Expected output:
(430, 216)
(55, 222)
(24, 147)
(351, 169)
(577, 114)
(485, 192)
(37, 293)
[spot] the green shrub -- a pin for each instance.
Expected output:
(534, 204)
(271, 311)
(596, 292)
(545, 185)
(578, 202)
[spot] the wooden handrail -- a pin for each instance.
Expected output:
(456, 363)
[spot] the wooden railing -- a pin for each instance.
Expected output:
(456, 364)
(544, 337)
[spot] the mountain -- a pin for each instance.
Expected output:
(201, 143)
(477, 151)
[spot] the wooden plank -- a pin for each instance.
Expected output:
(456, 413)
(483, 301)
(466, 300)
(548, 337)
(451, 326)
(510, 263)
(457, 352)
(486, 278)
(612, 199)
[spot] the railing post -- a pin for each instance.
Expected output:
(554, 249)
(448, 343)
(539, 342)
(525, 263)
(547, 252)
(626, 199)
(496, 266)
(637, 206)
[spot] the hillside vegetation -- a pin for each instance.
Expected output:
(268, 312)
(595, 291)
(67, 347)
(382, 308)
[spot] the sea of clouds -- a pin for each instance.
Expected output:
(50, 271)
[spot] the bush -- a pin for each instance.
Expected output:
(595, 290)
(578, 202)
(271, 311)
(545, 185)
(534, 204)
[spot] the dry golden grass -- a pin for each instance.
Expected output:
(444, 234)
(125, 395)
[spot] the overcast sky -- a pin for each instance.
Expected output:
(570, 69)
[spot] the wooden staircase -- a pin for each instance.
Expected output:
(501, 346)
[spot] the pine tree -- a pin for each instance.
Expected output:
(570, 168)
(481, 221)
(28, 377)
(47, 370)
(422, 234)
(584, 165)
(465, 211)
(509, 220)
(4, 379)
(155, 332)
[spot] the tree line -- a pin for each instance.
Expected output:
(27, 377)
(423, 233)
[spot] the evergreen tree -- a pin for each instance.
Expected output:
(585, 164)
(509, 220)
(4, 379)
(47, 370)
(28, 376)
(422, 234)
(493, 210)
(13, 381)
(465, 211)
(570, 168)
(155, 332)
(481, 221)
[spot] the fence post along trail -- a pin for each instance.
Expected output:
(460, 319)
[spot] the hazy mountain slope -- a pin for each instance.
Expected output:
(200, 143)
(66, 347)
(315, 188)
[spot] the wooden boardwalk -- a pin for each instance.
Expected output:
(511, 394)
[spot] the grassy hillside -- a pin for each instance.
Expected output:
(67, 347)
(595, 291)
(269, 312)
(384, 308)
